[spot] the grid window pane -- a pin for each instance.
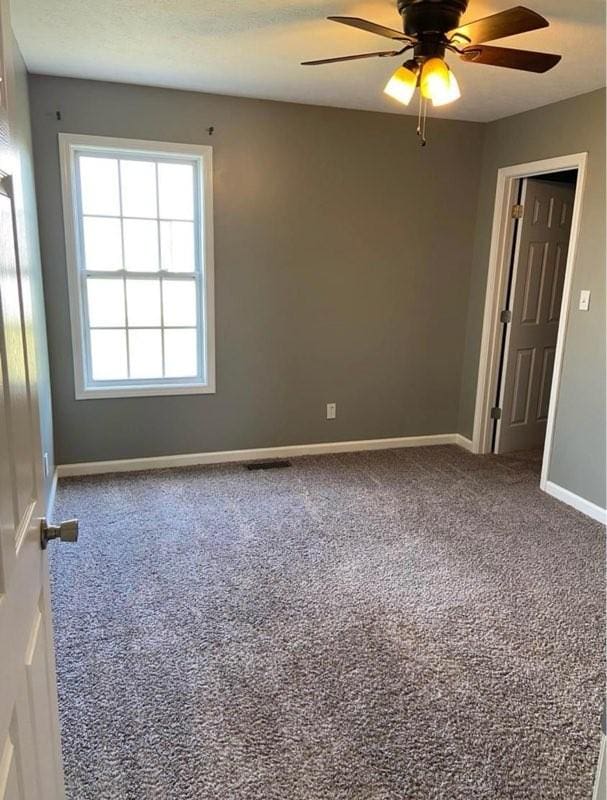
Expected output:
(143, 303)
(105, 302)
(141, 245)
(176, 191)
(145, 354)
(102, 244)
(177, 246)
(139, 265)
(179, 303)
(138, 182)
(108, 351)
(180, 353)
(99, 185)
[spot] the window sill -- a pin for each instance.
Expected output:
(101, 392)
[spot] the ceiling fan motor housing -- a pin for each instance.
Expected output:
(429, 21)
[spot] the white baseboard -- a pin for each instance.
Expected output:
(256, 454)
(50, 500)
(462, 441)
(579, 503)
(600, 778)
(292, 451)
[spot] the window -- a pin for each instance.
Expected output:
(139, 240)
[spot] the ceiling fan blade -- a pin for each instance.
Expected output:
(498, 26)
(372, 27)
(381, 54)
(512, 59)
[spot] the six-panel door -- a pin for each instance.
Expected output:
(30, 760)
(536, 294)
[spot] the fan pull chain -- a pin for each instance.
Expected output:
(424, 142)
(421, 120)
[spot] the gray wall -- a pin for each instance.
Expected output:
(343, 255)
(571, 126)
(27, 234)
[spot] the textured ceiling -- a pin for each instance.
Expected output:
(253, 48)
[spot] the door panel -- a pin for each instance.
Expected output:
(10, 783)
(40, 692)
(522, 387)
(540, 257)
(21, 740)
(545, 383)
(30, 759)
(534, 277)
(29, 741)
(558, 281)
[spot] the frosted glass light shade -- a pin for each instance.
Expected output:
(401, 85)
(451, 93)
(438, 83)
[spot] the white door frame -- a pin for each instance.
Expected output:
(499, 264)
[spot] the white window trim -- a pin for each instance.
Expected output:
(203, 154)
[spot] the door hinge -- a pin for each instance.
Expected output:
(518, 211)
(506, 316)
(496, 413)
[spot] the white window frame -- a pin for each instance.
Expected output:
(202, 155)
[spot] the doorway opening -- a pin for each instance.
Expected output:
(532, 306)
(535, 229)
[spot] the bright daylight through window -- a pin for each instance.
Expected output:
(139, 245)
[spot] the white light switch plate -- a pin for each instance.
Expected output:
(584, 300)
(331, 410)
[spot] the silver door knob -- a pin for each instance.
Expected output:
(66, 531)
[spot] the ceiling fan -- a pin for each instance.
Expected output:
(432, 27)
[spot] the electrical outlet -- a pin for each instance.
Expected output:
(45, 464)
(331, 410)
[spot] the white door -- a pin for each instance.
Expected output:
(540, 257)
(30, 758)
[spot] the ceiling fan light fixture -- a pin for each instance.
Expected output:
(431, 28)
(403, 83)
(438, 83)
